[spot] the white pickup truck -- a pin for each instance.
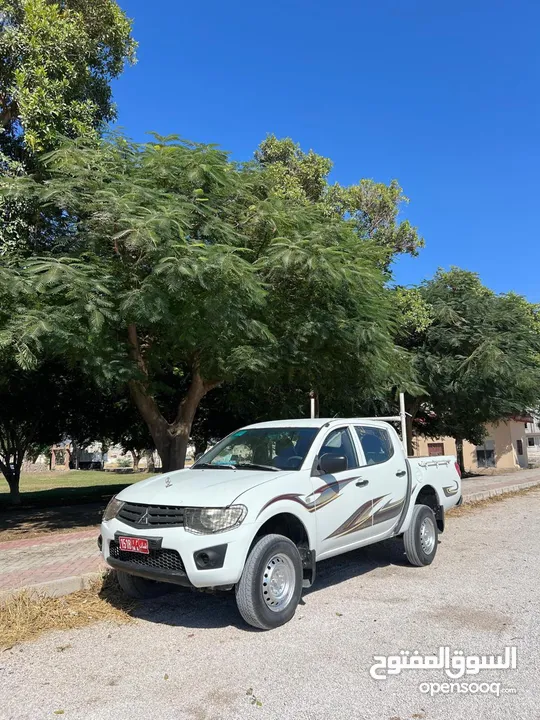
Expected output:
(262, 507)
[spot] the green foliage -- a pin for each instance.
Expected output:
(370, 208)
(57, 60)
(413, 315)
(478, 358)
(33, 404)
(187, 270)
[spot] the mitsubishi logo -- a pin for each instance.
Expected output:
(144, 519)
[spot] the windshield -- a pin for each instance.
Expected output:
(278, 448)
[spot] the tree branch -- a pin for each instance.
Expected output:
(135, 349)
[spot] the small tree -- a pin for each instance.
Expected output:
(33, 405)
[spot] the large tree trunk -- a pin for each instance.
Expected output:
(150, 465)
(136, 459)
(12, 473)
(459, 453)
(14, 481)
(171, 439)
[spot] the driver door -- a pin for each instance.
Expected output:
(343, 501)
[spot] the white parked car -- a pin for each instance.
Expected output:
(262, 507)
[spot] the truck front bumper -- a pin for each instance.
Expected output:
(180, 557)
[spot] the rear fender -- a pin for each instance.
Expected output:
(437, 508)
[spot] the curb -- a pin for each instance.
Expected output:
(55, 588)
(486, 494)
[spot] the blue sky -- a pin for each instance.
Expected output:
(443, 96)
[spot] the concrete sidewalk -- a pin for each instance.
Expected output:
(60, 563)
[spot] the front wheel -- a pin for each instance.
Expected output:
(421, 537)
(269, 590)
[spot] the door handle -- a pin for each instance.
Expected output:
(362, 483)
(401, 473)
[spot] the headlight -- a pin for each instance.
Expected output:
(112, 509)
(203, 521)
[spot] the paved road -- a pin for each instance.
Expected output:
(191, 658)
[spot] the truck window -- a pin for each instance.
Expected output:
(278, 448)
(376, 444)
(339, 442)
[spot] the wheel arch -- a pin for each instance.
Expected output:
(428, 495)
(284, 523)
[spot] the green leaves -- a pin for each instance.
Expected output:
(478, 357)
(370, 208)
(180, 263)
(57, 62)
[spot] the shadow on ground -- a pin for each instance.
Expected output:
(62, 508)
(183, 607)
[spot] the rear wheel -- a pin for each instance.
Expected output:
(141, 588)
(269, 590)
(421, 537)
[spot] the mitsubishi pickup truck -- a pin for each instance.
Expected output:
(260, 509)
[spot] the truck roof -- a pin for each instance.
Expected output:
(316, 422)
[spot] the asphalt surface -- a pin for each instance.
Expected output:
(191, 657)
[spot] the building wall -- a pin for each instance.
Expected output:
(504, 437)
(532, 435)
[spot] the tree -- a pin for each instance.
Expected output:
(33, 404)
(188, 270)
(476, 354)
(371, 208)
(57, 60)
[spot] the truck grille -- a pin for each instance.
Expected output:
(163, 559)
(151, 516)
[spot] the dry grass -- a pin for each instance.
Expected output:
(469, 507)
(26, 616)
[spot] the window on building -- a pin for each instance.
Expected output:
(485, 454)
(530, 442)
(435, 449)
(519, 444)
(526, 426)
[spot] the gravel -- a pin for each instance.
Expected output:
(191, 657)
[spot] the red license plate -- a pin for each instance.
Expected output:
(134, 544)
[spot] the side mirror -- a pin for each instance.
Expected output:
(331, 464)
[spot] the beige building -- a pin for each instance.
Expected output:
(508, 446)
(532, 435)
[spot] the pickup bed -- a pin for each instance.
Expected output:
(263, 506)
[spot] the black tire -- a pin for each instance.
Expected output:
(141, 588)
(420, 552)
(253, 600)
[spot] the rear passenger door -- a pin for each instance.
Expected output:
(341, 502)
(385, 471)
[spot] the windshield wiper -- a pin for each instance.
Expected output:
(256, 466)
(217, 466)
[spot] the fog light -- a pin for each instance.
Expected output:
(212, 557)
